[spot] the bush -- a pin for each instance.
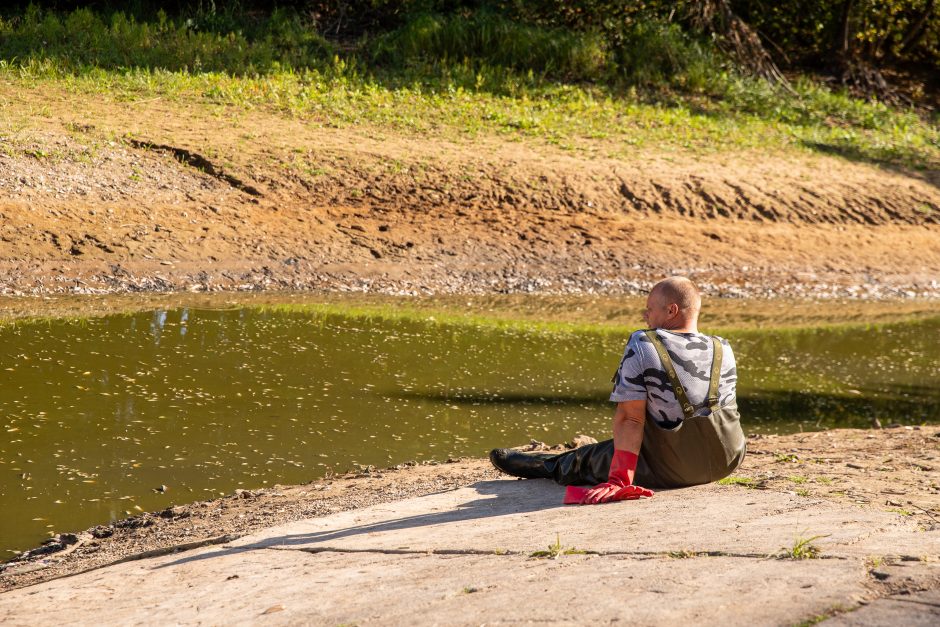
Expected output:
(654, 53)
(83, 38)
(490, 39)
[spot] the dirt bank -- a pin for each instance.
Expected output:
(159, 195)
(893, 470)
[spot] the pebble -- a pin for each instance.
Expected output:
(468, 282)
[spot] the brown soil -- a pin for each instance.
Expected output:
(162, 195)
(892, 469)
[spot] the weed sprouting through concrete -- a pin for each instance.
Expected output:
(802, 549)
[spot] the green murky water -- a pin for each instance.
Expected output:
(97, 414)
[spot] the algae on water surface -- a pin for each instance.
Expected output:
(100, 413)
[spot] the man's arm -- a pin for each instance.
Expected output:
(628, 425)
(628, 437)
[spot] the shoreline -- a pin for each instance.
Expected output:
(888, 469)
(465, 273)
(575, 311)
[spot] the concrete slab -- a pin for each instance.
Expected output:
(464, 557)
(911, 610)
(238, 587)
(524, 516)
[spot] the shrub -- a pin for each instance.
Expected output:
(654, 53)
(493, 40)
(83, 38)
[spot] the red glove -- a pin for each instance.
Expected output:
(619, 486)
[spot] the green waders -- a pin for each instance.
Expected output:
(701, 449)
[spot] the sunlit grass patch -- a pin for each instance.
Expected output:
(556, 550)
(463, 74)
(802, 548)
(747, 482)
(467, 100)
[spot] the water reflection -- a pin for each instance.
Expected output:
(96, 414)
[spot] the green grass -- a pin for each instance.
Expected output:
(802, 549)
(747, 482)
(84, 38)
(683, 554)
(465, 76)
(826, 615)
(556, 550)
(462, 101)
(494, 40)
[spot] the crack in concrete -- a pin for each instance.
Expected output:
(915, 601)
(502, 552)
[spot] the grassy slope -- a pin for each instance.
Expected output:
(575, 117)
(463, 76)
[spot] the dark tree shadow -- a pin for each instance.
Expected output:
(503, 398)
(853, 153)
(901, 403)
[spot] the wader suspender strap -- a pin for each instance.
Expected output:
(715, 377)
(687, 408)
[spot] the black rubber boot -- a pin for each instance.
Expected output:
(590, 465)
(519, 464)
(585, 465)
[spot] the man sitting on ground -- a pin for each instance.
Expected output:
(676, 422)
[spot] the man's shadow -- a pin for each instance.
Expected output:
(508, 498)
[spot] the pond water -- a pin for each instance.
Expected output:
(97, 415)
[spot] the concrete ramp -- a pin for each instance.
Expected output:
(705, 555)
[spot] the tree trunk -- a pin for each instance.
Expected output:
(845, 28)
(735, 38)
(916, 32)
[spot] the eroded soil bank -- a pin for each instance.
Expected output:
(893, 470)
(155, 195)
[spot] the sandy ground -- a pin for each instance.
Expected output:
(156, 195)
(893, 470)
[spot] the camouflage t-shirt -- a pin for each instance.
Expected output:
(641, 374)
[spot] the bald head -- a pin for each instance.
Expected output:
(673, 303)
(681, 291)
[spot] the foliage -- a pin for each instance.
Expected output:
(802, 549)
(490, 39)
(556, 550)
(465, 69)
(658, 53)
(807, 33)
(798, 31)
(747, 482)
(84, 38)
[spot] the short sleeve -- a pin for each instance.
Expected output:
(629, 384)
